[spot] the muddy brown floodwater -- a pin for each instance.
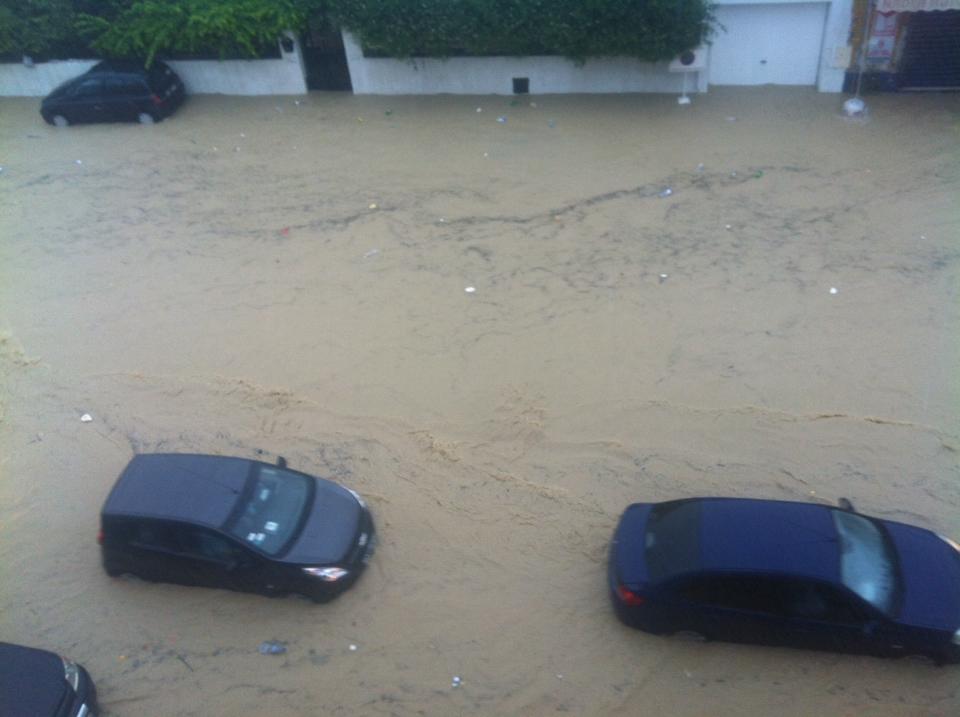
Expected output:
(261, 275)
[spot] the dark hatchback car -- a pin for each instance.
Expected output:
(37, 683)
(113, 91)
(236, 524)
(782, 573)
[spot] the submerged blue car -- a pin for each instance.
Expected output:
(783, 573)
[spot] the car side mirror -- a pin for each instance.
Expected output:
(845, 504)
(281, 461)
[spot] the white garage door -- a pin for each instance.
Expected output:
(767, 44)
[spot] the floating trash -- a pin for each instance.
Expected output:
(272, 647)
(470, 289)
(86, 418)
(373, 206)
(242, 134)
(665, 193)
(456, 681)
(501, 119)
(728, 227)
(79, 161)
(700, 167)
(479, 109)
(854, 107)
(833, 290)
(353, 648)
(533, 104)
(371, 253)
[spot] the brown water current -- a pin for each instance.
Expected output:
(257, 274)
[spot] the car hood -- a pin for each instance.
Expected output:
(931, 578)
(31, 682)
(331, 528)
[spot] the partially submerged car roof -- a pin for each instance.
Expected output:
(179, 486)
(769, 536)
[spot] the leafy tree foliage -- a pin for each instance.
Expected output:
(144, 28)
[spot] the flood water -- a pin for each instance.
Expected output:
(260, 275)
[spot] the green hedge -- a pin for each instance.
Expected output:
(146, 28)
(647, 29)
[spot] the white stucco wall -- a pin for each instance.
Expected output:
(494, 75)
(18, 80)
(803, 43)
(284, 76)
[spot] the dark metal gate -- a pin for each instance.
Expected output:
(931, 54)
(324, 57)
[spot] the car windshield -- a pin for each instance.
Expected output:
(867, 563)
(672, 540)
(271, 510)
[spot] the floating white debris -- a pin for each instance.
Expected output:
(372, 252)
(86, 418)
(854, 107)
(666, 192)
(470, 289)
(456, 681)
(373, 206)
(79, 161)
(728, 227)
(479, 109)
(242, 134)
(353, 648)
(833, 290)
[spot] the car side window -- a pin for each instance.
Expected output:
(89, 88)
(123, 87)
(208, 545)
(813, 601)
(737, 592)
(155, 535)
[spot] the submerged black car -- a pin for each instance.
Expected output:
(113, 91)
(234, 523)
(37, 683)
(783, 573)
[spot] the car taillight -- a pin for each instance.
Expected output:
(100, 537)
(156, 99)
(629, 597)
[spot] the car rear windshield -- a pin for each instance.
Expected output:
(160, 77)
(867, 563)
(673, 539)
(271, 509)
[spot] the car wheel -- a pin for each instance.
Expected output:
(689, 636)
(59, 121)
(146, 118)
